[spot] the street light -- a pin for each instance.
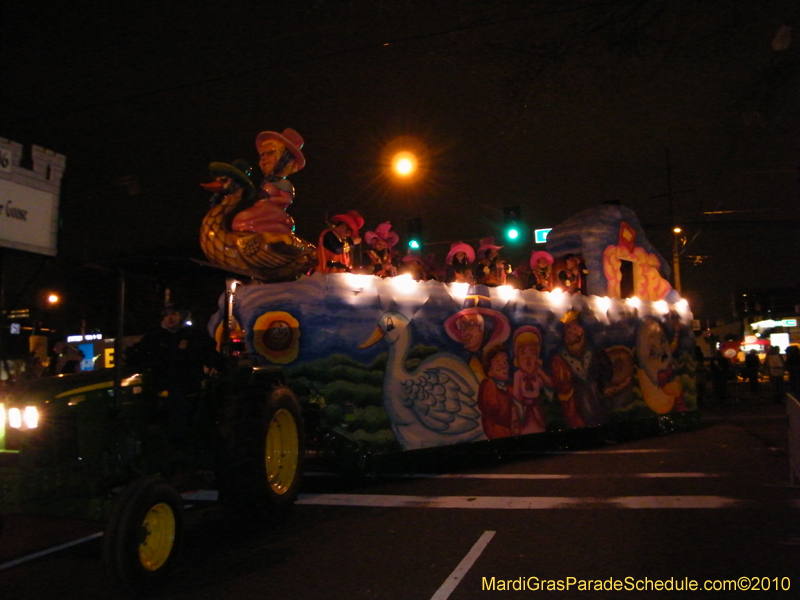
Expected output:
(404, 163)
(676, 258)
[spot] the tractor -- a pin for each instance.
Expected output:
(97, 445)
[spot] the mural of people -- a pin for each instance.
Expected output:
(541, 277)
(578, 374)
(617, 392)
(336, 243)
(498, 414)
(529, 380)
(478, 326)
(382, 242)
(280, 155)
(459, 263)
(661, 388)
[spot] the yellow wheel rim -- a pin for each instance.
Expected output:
(158, 536)
(282, 451)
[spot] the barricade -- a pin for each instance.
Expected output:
(793, 409)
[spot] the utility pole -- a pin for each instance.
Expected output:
(676, 231)
(676, 262)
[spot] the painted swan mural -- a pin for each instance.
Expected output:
(433, 405)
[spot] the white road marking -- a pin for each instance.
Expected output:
(617, 451)
(517, 502)
(29, 557)
(201, 496)
(674, 502)
(465, 565)
(537, 476)
(205, 495)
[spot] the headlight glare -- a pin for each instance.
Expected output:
(27, 418)
(31, 417)
(14, 418)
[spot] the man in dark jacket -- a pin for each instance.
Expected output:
(179, 357)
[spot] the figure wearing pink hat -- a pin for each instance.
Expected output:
(572, 275)
(280, 155)
(459, 263)
(414, 266)
(382, 242)
(491, 269)
(336, 242)
(541, 271)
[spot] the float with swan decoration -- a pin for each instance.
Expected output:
(391, 365)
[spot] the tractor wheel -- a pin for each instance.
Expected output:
(143, 535)
(262, 462)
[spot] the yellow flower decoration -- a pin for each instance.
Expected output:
(276, 337)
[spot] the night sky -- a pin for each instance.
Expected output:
(554, 106)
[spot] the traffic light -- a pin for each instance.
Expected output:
(414, 231)
(511, 223)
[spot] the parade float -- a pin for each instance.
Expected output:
(392, 364)
(366, 371)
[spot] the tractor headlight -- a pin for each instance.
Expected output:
(17, 423)
(26, 418)
(30, 416)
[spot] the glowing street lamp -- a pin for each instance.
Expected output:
(404, 164)
(676, 258)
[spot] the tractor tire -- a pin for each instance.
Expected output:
(260, 467)
(143, 536)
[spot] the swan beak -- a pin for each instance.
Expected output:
(376, 336)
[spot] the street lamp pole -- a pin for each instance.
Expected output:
(676, 263)
(676, 231)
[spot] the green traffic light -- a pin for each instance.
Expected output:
(512, 234)
(414, 244)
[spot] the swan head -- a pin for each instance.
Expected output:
(228, 178)
(391, 326)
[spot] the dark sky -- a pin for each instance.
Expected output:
(554, 106)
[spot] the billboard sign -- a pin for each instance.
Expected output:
(28, 218)
(29, 193)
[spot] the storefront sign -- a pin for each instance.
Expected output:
(28, 218)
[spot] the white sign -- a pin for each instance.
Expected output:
(781, 340)
(28, 218)
(771, 323)
(84, 338)
(5, 160)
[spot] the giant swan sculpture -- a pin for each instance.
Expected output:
(433, 405)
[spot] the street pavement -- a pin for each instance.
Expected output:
(712, 506)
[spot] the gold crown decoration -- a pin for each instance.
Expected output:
(569, 317)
